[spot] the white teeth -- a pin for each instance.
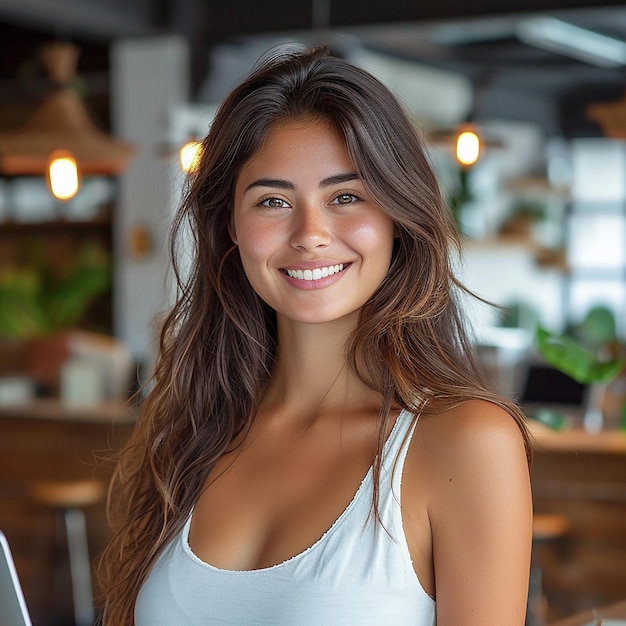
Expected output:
(316, 274)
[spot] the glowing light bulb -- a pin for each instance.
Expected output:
(63, 177)
(190, 156)
(467, 147)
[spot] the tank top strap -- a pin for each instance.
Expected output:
(397, 445)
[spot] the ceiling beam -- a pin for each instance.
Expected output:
(99, 19)
(374, 11)
(119, 18)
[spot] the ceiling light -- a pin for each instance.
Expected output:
(190, 155)
(63, 180)
(585, 45)
(467, 145)
(61, 123)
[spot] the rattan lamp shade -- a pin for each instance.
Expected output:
(61, 123)
(611, 116)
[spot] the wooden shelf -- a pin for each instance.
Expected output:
(59, 225)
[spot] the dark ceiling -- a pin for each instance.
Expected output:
(479, 39)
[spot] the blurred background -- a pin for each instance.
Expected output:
(118, 87)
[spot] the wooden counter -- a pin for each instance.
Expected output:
(616, 614)
(46, 441)
(582, 476)
(50, 409)
(577, 440)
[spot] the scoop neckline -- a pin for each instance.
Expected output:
(300, 555)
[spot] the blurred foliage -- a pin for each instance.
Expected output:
(576, 360)
(460, 196)
(519, 315)
(533, 209)
(598, 329)
(589, 352)
(35, 301)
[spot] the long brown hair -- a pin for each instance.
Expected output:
(218, 342)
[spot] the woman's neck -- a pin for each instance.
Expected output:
(311, 376)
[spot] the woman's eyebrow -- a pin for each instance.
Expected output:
(279, 183)
(338, 179)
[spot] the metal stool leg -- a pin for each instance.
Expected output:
(69, 499)
(546, 528)
(535, 615)
(80, 567)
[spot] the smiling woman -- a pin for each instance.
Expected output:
(318, 446)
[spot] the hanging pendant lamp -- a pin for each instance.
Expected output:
(610, 116)
(61, 123)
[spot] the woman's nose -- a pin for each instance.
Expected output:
(310, 228)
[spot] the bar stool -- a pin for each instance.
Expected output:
(69, 499)
(547, 527)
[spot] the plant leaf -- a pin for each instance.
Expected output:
(67, 302)
(34, 301)
(576, 361)
(21, 311)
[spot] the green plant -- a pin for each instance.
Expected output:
(573, 358)
(460, 195)
(590, 353)
(36, 301)
(531, 209)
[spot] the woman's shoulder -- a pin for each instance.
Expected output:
(470, 427)
(476, 440)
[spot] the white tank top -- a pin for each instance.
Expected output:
(356, 573)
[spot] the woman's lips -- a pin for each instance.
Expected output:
(316, 273)
(316, 277)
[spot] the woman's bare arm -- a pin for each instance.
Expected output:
(480, 513)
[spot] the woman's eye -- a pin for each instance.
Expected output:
(274, 203)
(345, 198)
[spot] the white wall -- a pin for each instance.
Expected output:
(507, 273)
(149, 77)
(597, 228)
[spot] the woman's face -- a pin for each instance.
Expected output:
(314, 245)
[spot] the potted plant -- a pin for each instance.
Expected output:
(39, 306)
(593, 355)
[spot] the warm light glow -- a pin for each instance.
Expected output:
(467, 147)
(63, 176)
(190, 156)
